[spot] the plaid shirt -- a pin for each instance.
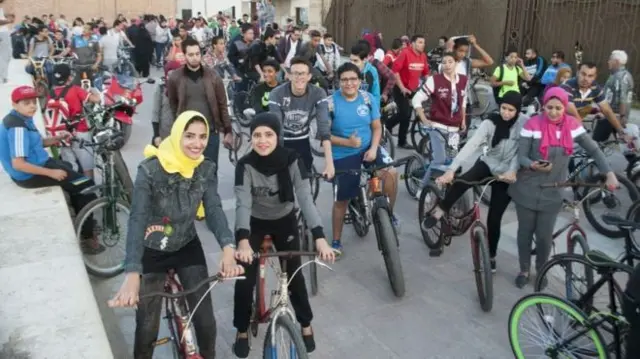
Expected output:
(389, 78)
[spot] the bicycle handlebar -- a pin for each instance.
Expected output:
(288, 254)
(572, 184)
(372, 169)
(214, 278)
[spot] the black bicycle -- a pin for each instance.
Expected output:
(371, 206)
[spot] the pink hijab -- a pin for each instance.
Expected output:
(565, 125)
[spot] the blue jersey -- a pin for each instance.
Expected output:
(371, 81)
(19, 137)
(351, 117)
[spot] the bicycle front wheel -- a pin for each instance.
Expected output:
(543, 325)
(104, 252)
(287, 341)
(414, 171)
(429, 199)
(390, 250)
(482, 268)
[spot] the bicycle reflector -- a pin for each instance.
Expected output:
(375, 185)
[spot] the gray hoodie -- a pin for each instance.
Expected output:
(501, 158)
(257, 196)
(297, 112)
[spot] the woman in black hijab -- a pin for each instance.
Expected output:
(496, 141)
(268, 181)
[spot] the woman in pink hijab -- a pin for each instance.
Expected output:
(545, 147)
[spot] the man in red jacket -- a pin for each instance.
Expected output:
(410, 66)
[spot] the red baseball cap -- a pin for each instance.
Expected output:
(23, 93)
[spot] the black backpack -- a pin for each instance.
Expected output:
(496, 90)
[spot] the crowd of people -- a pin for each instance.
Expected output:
(292, 83)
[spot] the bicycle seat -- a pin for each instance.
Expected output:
(603, 261)
(613, 220)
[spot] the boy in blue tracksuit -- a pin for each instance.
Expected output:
(24, 158)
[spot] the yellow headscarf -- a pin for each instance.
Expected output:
(170, 154)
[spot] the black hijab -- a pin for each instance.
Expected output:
(503, 127)
(277, 162)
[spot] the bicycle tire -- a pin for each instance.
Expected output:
(122, 171)
(355, 210)
(238, 151)
(285, 323)
(537, 299)
(482, 268)
(562, 260)
(577, 239)
(411, 180)
(126, 129)
(422, 211)
(308, 245)
(390, 250)
(415, 133)
(79, 221)
(175, 337)
(240, 100)
(387, 142)
(594, 220)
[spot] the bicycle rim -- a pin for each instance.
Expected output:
(413, 173)
(429, 198)
(552, 319)
(112, 239)
(482, 269)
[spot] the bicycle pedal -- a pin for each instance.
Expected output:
(348, 219)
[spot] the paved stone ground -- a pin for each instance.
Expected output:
(356, 314)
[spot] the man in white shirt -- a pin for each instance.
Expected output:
(5, 45)
(109, 42)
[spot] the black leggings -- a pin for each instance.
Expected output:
(284, 233)
(499, 200)
(73, 184)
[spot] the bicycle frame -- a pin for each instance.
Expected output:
(280, 296)
(184, 328)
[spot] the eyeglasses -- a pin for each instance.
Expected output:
(349, 80)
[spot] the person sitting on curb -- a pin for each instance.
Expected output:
(24, 158)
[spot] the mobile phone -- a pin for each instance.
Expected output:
(544, 163)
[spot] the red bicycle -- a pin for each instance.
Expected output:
(179, 315)
(458, 221)
(280, 317)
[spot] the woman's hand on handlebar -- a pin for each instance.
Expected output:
(128, 295)
(244, 253)
(446, 178)
(228, 265)
(508, 177)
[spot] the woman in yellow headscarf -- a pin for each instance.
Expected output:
(170, 185)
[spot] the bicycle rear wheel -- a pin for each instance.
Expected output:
(390, 250)
(308, 245)
(482, 268)
(414, 171)
(541, 314)
(283, 348)
(429, 199)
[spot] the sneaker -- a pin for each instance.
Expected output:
(396, 223)
(522, 280)
(91, 246)
(241, 347)
(493, 265)
(336, 245)
(309, 342)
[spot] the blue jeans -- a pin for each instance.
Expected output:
(438, 142)
(160, 46)
(48, 69)
(213, 148)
